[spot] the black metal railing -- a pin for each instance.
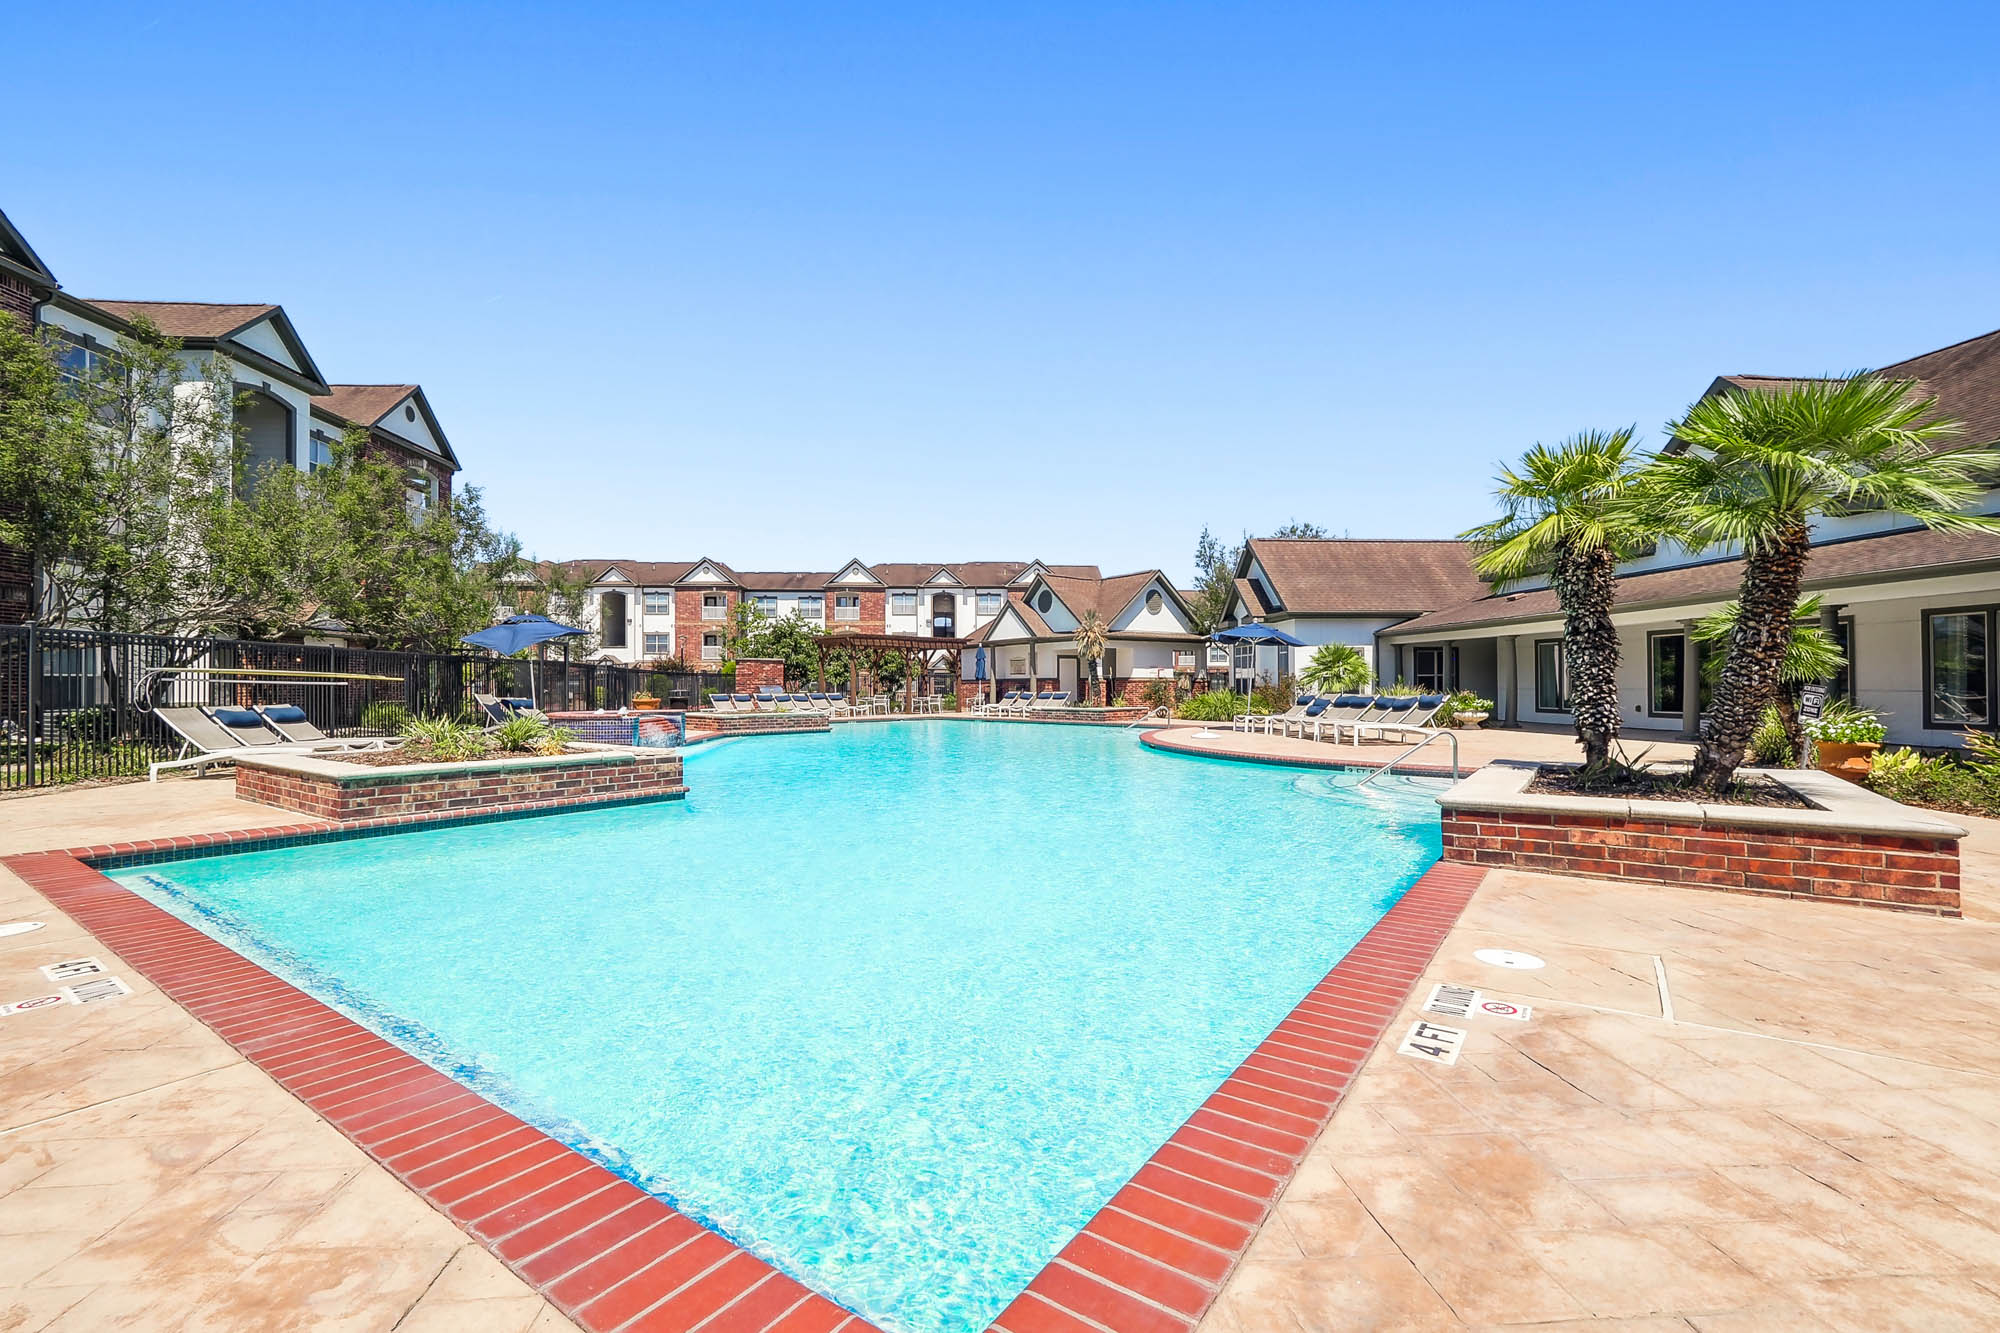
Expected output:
(77, 705)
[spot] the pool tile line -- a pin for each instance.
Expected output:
(1154, 1258)
(530, 1199)
(619, 1260)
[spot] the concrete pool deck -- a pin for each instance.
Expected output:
(1813, 1141)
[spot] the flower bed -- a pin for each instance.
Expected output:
(330, 789)
(1848, 845)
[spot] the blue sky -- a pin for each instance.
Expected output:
(788, 284)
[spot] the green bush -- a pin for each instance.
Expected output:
(1769, 745)
(386, 717)
(1464, 701)
(530, 734)
(1214, 706)
(445, 738)
(1844, 724)
(1154, 694)
(1337, 668)
(1939, 781)
(1271, 698)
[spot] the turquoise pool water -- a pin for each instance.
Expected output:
(898, 1007)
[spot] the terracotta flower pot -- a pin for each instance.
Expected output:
(645, 702)
(1844, 760)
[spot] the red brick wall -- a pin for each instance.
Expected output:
(756, 673)
(689, 626)
(390, 452)
(874, 611)
(494, 788)
(739, 724)
(17, 298)
(1875, 869)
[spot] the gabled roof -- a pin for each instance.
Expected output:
(783, 580)
(1906, 554)
(972, 573)
(650, 573)
(1964, 378)
(204, 324)
(1345, 576)
(20, 259)
(369, 404)
(728, 574)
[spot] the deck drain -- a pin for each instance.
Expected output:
(18, 928)
(1523, 962)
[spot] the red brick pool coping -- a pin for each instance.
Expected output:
(618, 1260)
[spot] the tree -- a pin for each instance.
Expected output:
(1810, 655)
(562, 593)
(1754, 469)
(1092, 637)
(1568, 511)
(1337, 668)
(1215, 582)
(1297, 531)
(49, 497)
(792, 640)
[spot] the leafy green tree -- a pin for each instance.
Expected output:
(561, 592)
(792, 640)
(1568, 511)
(1754, 469)
(1337, 668)
(1298, 531)
(1215, 582)
(49, 469)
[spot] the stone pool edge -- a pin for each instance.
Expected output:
(618, 1260)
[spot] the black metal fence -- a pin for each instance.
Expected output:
(77, 704)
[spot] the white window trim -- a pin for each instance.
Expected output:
(847, 606)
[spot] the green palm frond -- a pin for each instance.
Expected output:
(1811, 654)
(1576, 495)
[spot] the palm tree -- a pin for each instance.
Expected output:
(1810, 655)
(1092, 637)
(1568, 511)
(1337, 668)
(1754, 469)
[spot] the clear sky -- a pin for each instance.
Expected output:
(783, 285)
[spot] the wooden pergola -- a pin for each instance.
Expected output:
(920, 656)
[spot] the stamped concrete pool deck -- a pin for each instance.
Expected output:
(1723, 1113)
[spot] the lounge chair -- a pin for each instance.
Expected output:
(1345, 710)
(744, 703)
(291, 723)
(1413, 718)
(491, 705)
(838, 705)
(999, 705)
(1310, 717)
(1298, 710)
(1050, 700)
(220, 735)
(721, 703)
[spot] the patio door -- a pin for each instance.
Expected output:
(1066, 676)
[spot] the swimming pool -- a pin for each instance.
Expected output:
(896, 1007)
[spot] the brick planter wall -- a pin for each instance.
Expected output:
(372, 793)
(1883, 870)
(754, 724)
(1112, 714)
(757, 673)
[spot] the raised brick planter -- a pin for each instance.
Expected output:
(757, 724)
(1856, 847)
(328, 789)
(1112, 714)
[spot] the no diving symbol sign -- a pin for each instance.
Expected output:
(1464, 1002)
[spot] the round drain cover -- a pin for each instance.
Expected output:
(19, 928)
(1525, 962)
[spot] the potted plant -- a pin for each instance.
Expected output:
(1465, 710)
(1845, 739)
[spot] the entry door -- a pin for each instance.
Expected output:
(1066, 676)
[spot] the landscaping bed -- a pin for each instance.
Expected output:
(1663, 785)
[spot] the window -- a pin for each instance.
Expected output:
(1551, 681)
(1183, 659)
(767, 603)
(1154, 602)
(812, 606)
(847, 606)
(714, 606)
(1843, 680)
(1045, 601)
(1218, 656)
(1958, 684)
(991, 602)
(711, 647)
(80, 357)
(659, 603)
(902, 603)
(1246, 660)
(319, 451)
(421, 489)
(1666, 656)
(659, 645)
(1427, 667)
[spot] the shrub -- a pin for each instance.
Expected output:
(1271, 698)
(521, 733)
(385, 717)
(1337, 668)
(1154, 693)
(445, 738)
(1769, 745)
(1214, 706)
(1464, 701)
(1937, 781)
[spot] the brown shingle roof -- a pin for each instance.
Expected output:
(783, 580)
(1863, 558)
(1344, 576)
(188, 319)
(362, 404)
(652, 573)
(972, 573)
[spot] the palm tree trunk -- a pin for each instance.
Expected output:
(1788, 718)
(1586, 583)
(1772, 574)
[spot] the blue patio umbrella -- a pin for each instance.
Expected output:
(514, 633)
(1257, 636)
